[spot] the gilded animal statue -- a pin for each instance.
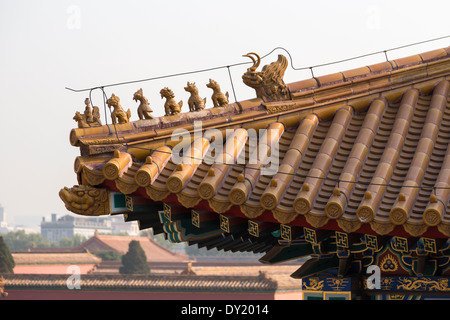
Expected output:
(219, 99)
(144, 109)
(118, 114)
(85, 200)
(268, 82)
(81, 119)
(195, 102)
(90, 117)
(171, 107)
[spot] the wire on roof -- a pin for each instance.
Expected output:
(264, 56)
(243, 63)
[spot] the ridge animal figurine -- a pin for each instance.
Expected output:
(219, 99)
(118, 114)
(171, 107)
(268, 83)
(81, 119)
(87, 111)
(195, 102)
(90, 117)
(144, 109)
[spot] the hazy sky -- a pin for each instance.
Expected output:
(46, 46)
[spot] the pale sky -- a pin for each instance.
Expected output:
(46, 46)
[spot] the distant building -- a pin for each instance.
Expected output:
(119, 226)
(68, 226)
(3, 224)
(159, 258)
(54, 262)
(120, 244)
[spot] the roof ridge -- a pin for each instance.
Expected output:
(370, 69)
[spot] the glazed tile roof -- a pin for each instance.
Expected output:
(29, 258)
(165, 283)
(153, 251)
(365, 150)
(279, 273)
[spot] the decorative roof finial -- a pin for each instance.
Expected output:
(219, 99)
(268, 82)
(144, 109)
(195, 102)
(171, 106)
(255, 62)
(90, 117)
(118, 114)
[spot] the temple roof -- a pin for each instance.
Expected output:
(364, 150)
(153, 251)
(167, 283)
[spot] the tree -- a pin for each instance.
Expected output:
(6, 259)
(21, 241)
(108, 255)
(135, 260)
(71, 242)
